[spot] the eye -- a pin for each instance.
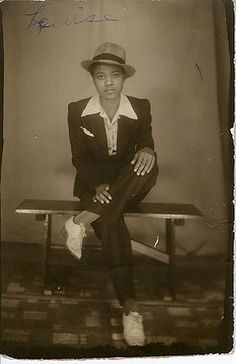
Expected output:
(116, 74)
(100, 77)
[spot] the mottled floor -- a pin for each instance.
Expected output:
(79, 309)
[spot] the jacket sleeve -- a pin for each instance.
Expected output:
(81, 158)
(145, 138)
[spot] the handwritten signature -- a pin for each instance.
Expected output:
(42, 23)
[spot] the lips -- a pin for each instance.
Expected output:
(110, 91)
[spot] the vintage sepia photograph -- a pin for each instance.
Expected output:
(116, 178)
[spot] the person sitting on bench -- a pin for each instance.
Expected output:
(113, 152)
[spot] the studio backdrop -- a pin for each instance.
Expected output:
(174, 46)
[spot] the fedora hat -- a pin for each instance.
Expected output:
(109, 53)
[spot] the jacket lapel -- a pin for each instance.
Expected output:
(95, 124)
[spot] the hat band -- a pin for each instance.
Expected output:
(108, 57)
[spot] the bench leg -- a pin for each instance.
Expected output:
(170, 248)
(46, 248)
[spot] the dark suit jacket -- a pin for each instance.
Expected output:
(89, 149)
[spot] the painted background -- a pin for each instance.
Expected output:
(172, 45)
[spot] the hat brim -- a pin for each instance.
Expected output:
(129, 70)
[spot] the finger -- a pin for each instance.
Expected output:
(139, 162)
(135, 158)
(146, 168)
(107, 194)
(103, 197)
(99, 199)
(151, 166)
(141, 168)
(147, 165)
(143, 165)
(94, 199)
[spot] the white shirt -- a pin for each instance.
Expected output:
(125, 108)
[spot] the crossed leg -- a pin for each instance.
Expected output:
(109, 225)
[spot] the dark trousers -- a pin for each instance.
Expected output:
(127, 188)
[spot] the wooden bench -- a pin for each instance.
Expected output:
(174, 214)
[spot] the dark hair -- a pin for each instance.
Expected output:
(93, 65)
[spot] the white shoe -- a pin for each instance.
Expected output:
(133, 329)
(76, 233)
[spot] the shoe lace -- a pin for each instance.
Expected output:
(80, 232)
(135, 320)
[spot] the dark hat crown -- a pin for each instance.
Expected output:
(111, 52)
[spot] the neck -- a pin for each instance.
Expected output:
(111, 105)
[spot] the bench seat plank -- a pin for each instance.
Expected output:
(149, 209)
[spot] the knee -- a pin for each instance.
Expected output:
(151, 177)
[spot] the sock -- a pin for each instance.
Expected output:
(130, 305)
(85, 218)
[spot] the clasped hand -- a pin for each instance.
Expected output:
(143, 162)
(102, 194)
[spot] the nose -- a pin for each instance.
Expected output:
(109, 80)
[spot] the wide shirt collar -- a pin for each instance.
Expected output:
(125, 108)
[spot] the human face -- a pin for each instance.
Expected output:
(109, 81)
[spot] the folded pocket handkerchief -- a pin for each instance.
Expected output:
(87, 132)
